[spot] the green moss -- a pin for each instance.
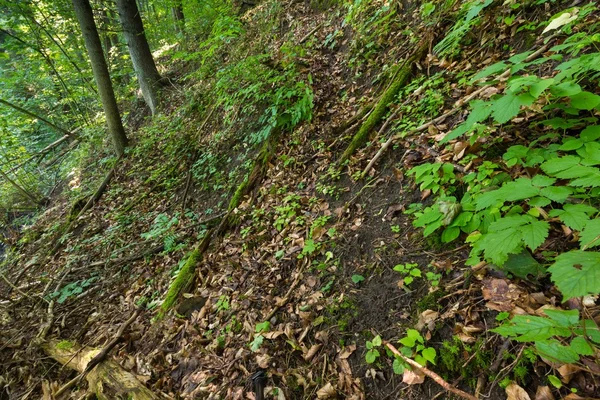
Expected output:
(182, 282)
(64, 345)
(402, 77)
(455, 353)
(430, 301)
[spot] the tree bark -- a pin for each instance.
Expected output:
(143, 63)
(84, 14)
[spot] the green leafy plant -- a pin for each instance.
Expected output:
(164, 227)
(561, 336)
(413, 346)
(72, 289)
(411, 271)
(372, 353)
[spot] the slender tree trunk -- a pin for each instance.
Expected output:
(143, 63)
(84, 14)
(20, 189)
(178, 16)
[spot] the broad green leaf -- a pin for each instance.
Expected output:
(576, 273)
(585, 101)
(568, 88)
(590, 153)
(590, 329)
(564, 318)
(450, 233)
(429, 354)
(538, 88)
(522, 265)
(535, 233)
(556, 165)
(554, 381)
(480, 111)
(555, 351)
(590, 235)
(509, 105)
(581, 346)
(509, 223)
(357, 278)
(575, 216)
(527, 328)
(492, 69)
(590, 133)
(398, 366)
(557, 193)
(377, 341)
(372, 356)
(571, 143)
(542, 180)
(498, 245)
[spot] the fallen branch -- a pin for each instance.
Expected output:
(456, 109)
(309, 34)
(437, 379)
(403, 75)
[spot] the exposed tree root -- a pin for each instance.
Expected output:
(107, 380)
(402, 77)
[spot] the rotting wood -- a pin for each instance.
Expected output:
(436, 378)
(107, 380)
(101, 356)
(457, 107)
(402, 77)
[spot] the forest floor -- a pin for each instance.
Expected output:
(310, 275)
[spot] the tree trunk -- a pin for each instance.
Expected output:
(84, 14)
(178, 16)
(143, 63)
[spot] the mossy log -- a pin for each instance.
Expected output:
(259, 167)
(185, 279)
(402, 77)
(108, 380)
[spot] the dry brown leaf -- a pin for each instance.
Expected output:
(516, 392)
(263, 360)
(567, 372)
(312, 351)
(544, 393)
(501, 294)
(413, 377)
(347, 351)
(327, 392)
(427, 319)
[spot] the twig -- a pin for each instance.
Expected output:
(309, 34)
(438, 379)
(457, 108)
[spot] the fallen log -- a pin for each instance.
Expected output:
(107, 380)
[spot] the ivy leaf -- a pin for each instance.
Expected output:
(585, 101)
(590, 235)
(576, 273)
(575, 216)
(509, 105)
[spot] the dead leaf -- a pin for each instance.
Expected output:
(263, 360)
(567, 372)
(347, 351)
(544, 393)
(413, 377)
(327, 392)
(312, 351)
(427, 319)
(516, 392)
(501, 294)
